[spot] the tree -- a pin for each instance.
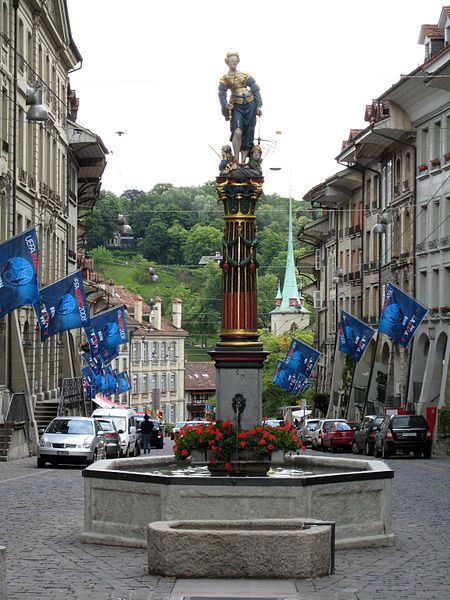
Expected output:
(154, 244)
(102, 222)
(201, 240)
(101, 256)
(176, 239)
(271, 243)
(267, 291)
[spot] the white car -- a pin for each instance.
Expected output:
(71, 440)
(316, 440)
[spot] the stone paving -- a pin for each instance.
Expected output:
(41, 517)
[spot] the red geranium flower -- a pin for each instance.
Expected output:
(184, 452)
(262, 442)
(242, 444)
(227, 467)
(270, 447)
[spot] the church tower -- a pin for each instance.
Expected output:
(290, 313)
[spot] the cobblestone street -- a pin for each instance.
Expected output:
(41, 515)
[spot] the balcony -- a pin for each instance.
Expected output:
(433, 244)
(373, 265)
(420, 247)
(351, 231)
(366, 267)
(444, 242)
(357, 229)
(356, 276)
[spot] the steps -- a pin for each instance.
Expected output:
(5, 442)
(44, 412)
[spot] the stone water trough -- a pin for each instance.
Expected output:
(264, 548)
(123, 496)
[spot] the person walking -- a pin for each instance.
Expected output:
(146, 430)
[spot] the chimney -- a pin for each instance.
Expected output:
(157, 313)
(138, 308)
(176, 312)
(110, 288)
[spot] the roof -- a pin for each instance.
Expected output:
(123, 296)
(167, 329)
(89, 152)
(433, 32)
(199, 376)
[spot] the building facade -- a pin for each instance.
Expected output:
(386, 218)
(200, 389)
(40, 172)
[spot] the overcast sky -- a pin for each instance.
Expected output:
(151, 69)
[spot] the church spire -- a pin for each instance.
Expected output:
(291, 300)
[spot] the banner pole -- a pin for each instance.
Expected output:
(369, 382)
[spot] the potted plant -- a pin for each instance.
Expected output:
(445, 310)
(422, 168)
(226, 446)
(435, 162)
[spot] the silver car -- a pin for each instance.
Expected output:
(306, 431)
(71, 440)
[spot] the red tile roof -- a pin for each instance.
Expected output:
(199, 376)
(123, 296)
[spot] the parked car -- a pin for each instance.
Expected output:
(180, 424)
(156, 438)
(124, 420)
(365, 435)
(405, 433)
(273, 422)
(71, 440)
(111, 437)
(316, 441)
(337, 435)
(306, 431)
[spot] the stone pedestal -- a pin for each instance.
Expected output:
(239, 371)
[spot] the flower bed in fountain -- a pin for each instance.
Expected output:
(227, 447)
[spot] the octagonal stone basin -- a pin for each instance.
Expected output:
(123, 496)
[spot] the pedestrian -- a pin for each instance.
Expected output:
(146, 430)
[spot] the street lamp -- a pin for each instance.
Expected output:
(380, 227)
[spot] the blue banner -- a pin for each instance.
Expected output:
(103, 382)
(107, 331)
(354, 336)
(401, 315)
(283, 376)
(18, 272)
(95, 362)
(301, 358)
(123, 383)
(62, 306)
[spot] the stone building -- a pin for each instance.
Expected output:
(200, 388)
(386, 217)
(49, 169)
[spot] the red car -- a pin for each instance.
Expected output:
(337, 435)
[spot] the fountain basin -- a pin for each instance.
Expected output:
(120, 500)
(265, 548)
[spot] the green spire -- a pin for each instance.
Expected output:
(291, 299)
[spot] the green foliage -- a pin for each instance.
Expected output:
(201, 240)
(444, 422)
(102, 222)
(101, 256)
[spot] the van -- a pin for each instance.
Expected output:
(124, 420)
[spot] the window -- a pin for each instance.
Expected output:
(436, 153)
(423, 146)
